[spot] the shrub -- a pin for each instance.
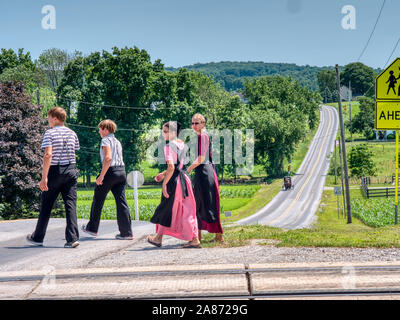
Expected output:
(21, 128)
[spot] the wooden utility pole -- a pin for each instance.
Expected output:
(342, 134)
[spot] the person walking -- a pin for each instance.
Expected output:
(59, 175)
(205, 183)
(176, 214)
(111, 178)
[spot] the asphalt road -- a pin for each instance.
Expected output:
(17, 254)
(296, 208)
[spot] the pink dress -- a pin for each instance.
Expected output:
(183, 221)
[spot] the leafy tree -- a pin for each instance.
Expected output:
(361, 77)
(21, 129)
(11, 59)
(282, 113)
(52, 62)
(364, 121)
(361, 163)
(327, 85)
(21, 73)
(124, 78)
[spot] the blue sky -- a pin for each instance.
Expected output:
(183, 32)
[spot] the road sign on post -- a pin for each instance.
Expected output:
(387, 111)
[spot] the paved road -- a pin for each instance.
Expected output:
(17, 254)
(294, 209)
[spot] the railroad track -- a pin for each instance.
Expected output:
(258, 283)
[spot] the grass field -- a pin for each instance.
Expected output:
(331, 230)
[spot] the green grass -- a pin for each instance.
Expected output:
(331, 230)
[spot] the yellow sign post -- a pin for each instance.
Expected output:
(387, 111)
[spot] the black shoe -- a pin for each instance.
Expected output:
(119, 237)
(72, 244)
(94, 234)
(31, 241)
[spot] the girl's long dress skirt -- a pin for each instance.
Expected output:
(207, 196)
(183, 220)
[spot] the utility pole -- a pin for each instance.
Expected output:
(342, 133)
(350, 96)
(341, 177)
(335, 164)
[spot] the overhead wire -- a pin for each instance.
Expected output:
(372, 32)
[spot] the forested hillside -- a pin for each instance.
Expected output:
(231, 75)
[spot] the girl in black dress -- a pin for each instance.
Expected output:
(206, 188)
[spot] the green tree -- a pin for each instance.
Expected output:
(361, 162)
(327, 85)
(10, 59)
(361, 77)
(282, 113)
(52, 62)
(117, 85)
(364, 121)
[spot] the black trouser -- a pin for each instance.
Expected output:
(114, 180)
(60, 179)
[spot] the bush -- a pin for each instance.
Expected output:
(360, 161)
(21, 128)
(390, 136)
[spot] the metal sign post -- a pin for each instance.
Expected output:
(135, 179)
(135, 192)
(338, 192)
(396, 188)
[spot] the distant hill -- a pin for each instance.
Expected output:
(231, 75)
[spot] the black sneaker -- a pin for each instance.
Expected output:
(31, 241)
(119, 237)
(72, 244)
(94, 234)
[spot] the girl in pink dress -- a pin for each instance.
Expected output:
(176, 214)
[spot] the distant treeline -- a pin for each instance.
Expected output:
(232, 75)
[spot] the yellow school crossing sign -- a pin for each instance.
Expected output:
(387, 98)
(387, 115)
(387, 112)
(387, 84)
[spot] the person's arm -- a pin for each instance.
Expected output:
(204, 143)
(198, 161)
(106, 164)
(48, 155)
(160, 176)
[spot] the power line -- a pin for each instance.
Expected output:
(373, 30)
(390, 57)
(119, 129)
(150, 108)
(394, 49)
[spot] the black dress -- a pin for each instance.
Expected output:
(206, 189)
